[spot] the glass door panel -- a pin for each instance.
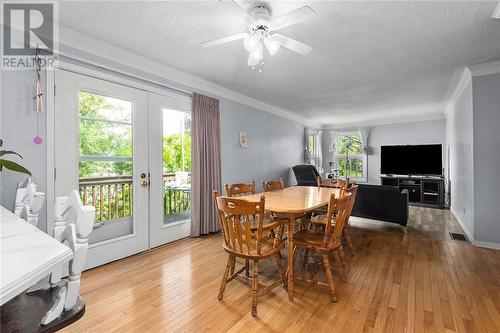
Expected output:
(170, 167)
(176, 166)
(105, 167)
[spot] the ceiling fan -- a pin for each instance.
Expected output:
(261, 33)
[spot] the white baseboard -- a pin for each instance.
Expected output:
(468, 233)
(489, 245)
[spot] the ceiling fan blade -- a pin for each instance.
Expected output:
(292, 44)
(299, 15)
(248, 19)
(223, 40)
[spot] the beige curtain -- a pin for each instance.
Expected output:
(206, 170)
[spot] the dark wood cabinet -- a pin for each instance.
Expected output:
(426, 191)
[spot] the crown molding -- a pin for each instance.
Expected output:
(496, 14)
(389, 120)
(487, 68)
(76, 45)
(456, 88)
(459, 82)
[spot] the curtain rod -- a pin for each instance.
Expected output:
(117, 72)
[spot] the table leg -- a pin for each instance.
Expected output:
(57, 308)
(291, 269)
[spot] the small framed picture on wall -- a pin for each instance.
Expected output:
(243, 140)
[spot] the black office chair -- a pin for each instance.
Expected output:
(306, 175)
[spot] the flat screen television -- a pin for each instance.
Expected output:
(412, 160)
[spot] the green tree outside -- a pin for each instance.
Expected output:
(354, 168)
(104, 139)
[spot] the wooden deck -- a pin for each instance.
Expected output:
(422, 285)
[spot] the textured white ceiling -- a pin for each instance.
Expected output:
(370, 60)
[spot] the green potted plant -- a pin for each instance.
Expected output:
(10, 165)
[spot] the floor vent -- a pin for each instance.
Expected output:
(456, 236)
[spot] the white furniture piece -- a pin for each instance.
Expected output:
(27, 255)
(32, 259)
(28, 202)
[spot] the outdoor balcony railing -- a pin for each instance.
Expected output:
(112, 197)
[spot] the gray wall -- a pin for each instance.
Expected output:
(486, 101)
(459, 138)
(414, 133)
(17, 129)
(423, 132)
(275, 143)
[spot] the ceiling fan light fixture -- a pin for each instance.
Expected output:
(257, 54)
(252, 61)
(272, 45)
(251, 43)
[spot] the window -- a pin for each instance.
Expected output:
(314, 154)
(310, 144)
(350, 158)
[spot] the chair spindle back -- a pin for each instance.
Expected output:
(236, 217)
(338, 206)
(273, 185)
(353, 190)
(240, 189)
(332, 182)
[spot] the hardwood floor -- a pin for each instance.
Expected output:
(422, 284)
(426, 222)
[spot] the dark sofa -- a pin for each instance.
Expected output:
(382, 203)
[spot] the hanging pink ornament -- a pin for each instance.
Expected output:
(37, 140)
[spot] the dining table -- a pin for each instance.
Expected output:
(289, 203)
(27, 255)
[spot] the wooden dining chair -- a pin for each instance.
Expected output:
(325, 241)
(237, 190)
(273, 185)
(322, 218)
(332, 182)
(239, 241)
(353, 190)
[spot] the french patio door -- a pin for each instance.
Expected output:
(114, 143)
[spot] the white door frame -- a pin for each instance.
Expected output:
(50, 117)
(50, 142)
(67, 160)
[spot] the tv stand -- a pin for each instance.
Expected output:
(425, 191)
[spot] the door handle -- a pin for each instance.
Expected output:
(144, 182)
